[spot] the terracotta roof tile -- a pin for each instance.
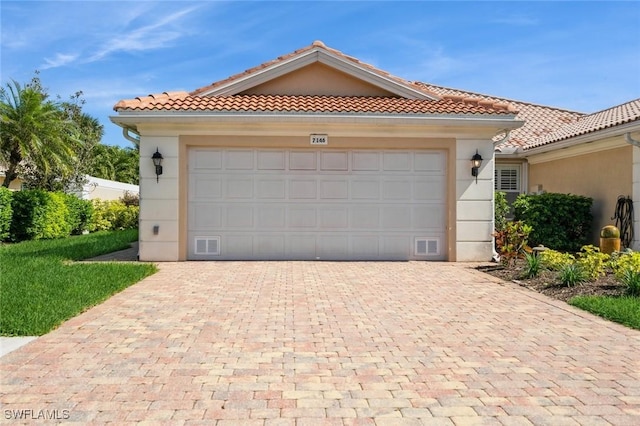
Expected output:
(315, 45)
(539, 120)
(181, 101)
(620, 114)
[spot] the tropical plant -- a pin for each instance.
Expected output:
(501, 209)
(555, 260)
(34, 130)
(533, 266)
(631, 278)
(511, 242)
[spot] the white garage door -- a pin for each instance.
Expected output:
(325, 204)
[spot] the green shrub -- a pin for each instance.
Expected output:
(113, 215)
(593, 262)
(625, 260)
(80, 212)
(555, 260)
(559, 221)
(512, 240)
(501, 210)
(6, 212)
(38, 214)
(572, 274)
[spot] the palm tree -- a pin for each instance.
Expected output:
(33, 129)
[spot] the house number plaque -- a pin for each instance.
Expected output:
(319, 139)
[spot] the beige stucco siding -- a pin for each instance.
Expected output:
(318, 79)
(603, 176)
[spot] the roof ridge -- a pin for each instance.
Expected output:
(500, 97)
(586, 116)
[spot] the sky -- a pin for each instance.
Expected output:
(576, 55)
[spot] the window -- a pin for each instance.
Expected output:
(507, 180)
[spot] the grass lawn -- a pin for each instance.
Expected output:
(623, 310)
(40, 288)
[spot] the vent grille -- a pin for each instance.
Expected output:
(207, 246)
(427, 246)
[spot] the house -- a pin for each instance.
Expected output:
(315, 155)
(569, 152)
(103, 189)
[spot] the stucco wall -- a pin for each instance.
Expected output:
(602, 175)
(318, 79)
(474, 202)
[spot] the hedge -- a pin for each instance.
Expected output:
(6, 212)
(560, 221)
(39, 214)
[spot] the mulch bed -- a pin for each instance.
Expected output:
(548, 284)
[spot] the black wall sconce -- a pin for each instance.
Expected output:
(157, 161)
(476, 162)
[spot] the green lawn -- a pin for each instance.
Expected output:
(41, 288)
(623, 310)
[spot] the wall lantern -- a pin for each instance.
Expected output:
(157, 161)
(476, 162)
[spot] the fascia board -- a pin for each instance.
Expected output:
(307, 58)
(133, 120)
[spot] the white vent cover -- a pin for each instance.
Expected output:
(427, 246)
(207, 246)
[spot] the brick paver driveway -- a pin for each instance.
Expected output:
(328, 343)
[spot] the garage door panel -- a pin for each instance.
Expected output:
(427, 217)
(240, 216)
(334, 189)
(206, 216)
(365, 189)
(207, 188)
(339, 205)
(334, 218)
(365, 217)
(431, 190)
(239, 160)
(303, 160)
(272, 189)
(430, 162)
(301, 246)
(395, 217)
(271, 217)
(303, 189)
(334, 161)
(271, 160)
(205, 159)
(269, 246)
(239, 188)
(396, 161)
(397, 189)
(365, 161)
(302, 217)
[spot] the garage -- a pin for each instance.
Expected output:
(316, 204)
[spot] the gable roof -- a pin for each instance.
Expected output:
(224, 95)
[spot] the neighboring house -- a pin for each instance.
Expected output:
(570, 152)
(103, 189)
(94, 188)
(316, 155)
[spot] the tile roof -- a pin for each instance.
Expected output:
(539, 120)
(619, 114)
(314, 46)
(182, 101)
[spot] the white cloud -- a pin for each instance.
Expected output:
(153, 36)
(59, 60)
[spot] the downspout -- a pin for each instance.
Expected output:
(630, 140)
(132, 139)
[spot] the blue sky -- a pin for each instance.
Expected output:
(582, 56)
